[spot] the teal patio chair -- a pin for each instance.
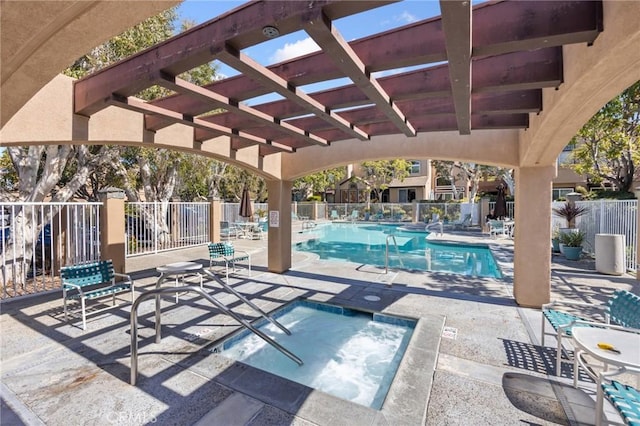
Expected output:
(623, 309)
(625, 399)
(225, 253)
(497, 229)
(334, 215)
(464, 223)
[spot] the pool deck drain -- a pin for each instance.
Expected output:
(372, 298)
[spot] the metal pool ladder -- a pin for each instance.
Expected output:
(157, 292)
(386, 253)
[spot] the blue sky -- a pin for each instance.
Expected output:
(292, 45)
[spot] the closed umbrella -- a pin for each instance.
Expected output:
(245, 204)
(500, 211)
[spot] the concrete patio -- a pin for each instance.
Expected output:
(485, 368)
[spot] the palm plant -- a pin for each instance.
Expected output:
(570, 211)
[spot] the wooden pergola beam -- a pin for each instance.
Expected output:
(324, 34)
(219, 101)
(456, 22)
(263, 75)
(134, 104)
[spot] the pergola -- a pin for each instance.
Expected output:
(505, 83)
(486, 76)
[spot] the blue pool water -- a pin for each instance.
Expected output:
(350, 354)
(366, 244)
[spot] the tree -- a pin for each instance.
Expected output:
(472, 173)
(61, 171)
(318, 182)
(607, 147)
(377, 175)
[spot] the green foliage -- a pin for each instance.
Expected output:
(234, 181)
(582, 191)
(572, 239)
(318, 182)
(379, 174)
(194, 173)
(149, 32)
(607, 148)
(612, 195)
(8, 175)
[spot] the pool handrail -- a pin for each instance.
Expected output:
(386, 253)
(233, 291)
(158, 291)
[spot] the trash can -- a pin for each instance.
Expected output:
(610, 254)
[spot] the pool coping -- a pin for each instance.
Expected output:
(406, 401)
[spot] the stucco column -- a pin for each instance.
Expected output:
(215, 216)
(532, 257)
(112, 233)
(279, 244)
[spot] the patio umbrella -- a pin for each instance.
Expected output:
(245, 204)
(500, 211)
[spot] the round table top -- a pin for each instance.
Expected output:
(587, 338)
(179, 267)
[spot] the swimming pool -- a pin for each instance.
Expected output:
(350, 354)
(366, 244)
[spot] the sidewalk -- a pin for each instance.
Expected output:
(487, 365)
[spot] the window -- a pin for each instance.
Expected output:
(415, 167)
(406, 195)
(560, 192)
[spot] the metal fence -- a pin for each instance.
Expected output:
(152, 227)
(36, 239)
(606, 217)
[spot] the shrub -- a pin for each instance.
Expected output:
(572, 239)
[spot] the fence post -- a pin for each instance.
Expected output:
(59, 239)
(416, 214)
(484, 211)
(112, 232)
(215, 216)
(176, 219)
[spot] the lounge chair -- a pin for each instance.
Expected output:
(257, 233)
(228, 231)
(623, 309)
(353, 216)
(464, 223)
(334, 215)
(225, 253)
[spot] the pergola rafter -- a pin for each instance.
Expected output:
(479, 68)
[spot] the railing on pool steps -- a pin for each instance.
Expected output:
(386, 253)
(157, 292)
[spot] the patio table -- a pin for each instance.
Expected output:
(179, 271)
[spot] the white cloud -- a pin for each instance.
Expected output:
(292, 50)
(406, 17)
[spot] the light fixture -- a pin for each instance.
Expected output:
(270, 32)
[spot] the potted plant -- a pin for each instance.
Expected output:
(572, 242)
